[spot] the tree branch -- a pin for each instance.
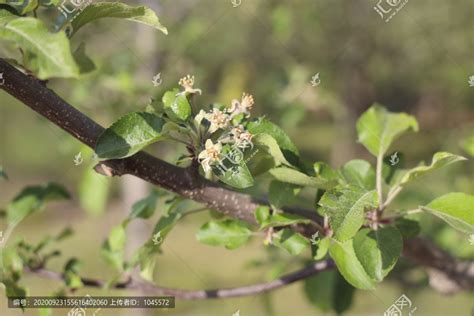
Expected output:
(187, 182)
(183, 294)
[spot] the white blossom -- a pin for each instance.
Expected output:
(210, 155)
(218, 120)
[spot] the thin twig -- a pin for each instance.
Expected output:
(144, 286)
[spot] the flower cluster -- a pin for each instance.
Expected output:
(230, 129)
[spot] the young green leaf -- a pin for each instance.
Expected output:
(320, 249)
(262, 215)
(293, 176)
(32, 199)
(378, 128)
(324, 171)
(408, 227)
(456, 209)
(93, 192)
(263, 125)
(229, 233)
(349, 266)
(270, 145)
(281, 193)
(328, 291)
(440, 160)
(113, 247)
(378, 250)
(237, 175)
(84, 62)
(130, 134)
(145, 254)
(50, 53)
(282, 219)
(21, 6)
(145, 208)
(291, 241)
(346, 210)
(176, 104)
(468, 145)
(359, 173)
(3, 174)
(98, 10)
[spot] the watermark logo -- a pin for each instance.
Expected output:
(471, 240)
(77, 311)
(71, 8)
(387, 9)
(157, 239)
(235, 157)
(78, 159)
(2, 80)
(315, 80)
(402, 303)
(470, 81)
(80, 311)
(394, 159)
(236, 3)
(315, 238)
(157, 80)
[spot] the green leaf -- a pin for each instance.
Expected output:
(176, 104)
(98, 10)
(270, 145)
(324, 171)
(229, 233)
(407, 227)
(378, 250)
(71, 274)
(145, 254)
(359, 173)
(262, 214)
(320, 249)
(130, 134)
(263, 125)
(456, 209)
(349, 266)
(3, 174)
(282, 219)
(329, 291)
(32, 199)
(84, 62)
(145, 208)
(93, 192)
(113, 248)
(52, 54)
(293, 176)
(281, 193)
(21, 6)
(440, 160)
(378, 128)
(468, 145)
(117, 238)
(319, 290)
(291, 241)
(236, 175)
(346, 210)
(13, 289)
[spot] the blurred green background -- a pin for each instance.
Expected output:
(419, 62)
